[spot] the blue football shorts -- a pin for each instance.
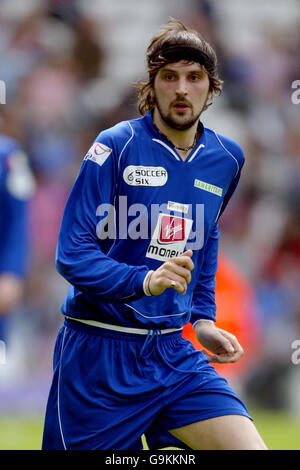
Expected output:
(109, 388)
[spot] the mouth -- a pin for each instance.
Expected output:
(181, 106)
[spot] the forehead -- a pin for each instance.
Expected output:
(183, 66)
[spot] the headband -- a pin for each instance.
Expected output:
(184, 52)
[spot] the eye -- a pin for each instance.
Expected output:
(194, 77)
(169, 76)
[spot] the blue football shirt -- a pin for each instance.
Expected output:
(134, 204)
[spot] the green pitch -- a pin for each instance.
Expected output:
(280, 431)
(20, 432)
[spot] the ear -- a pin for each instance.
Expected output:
(151, 97)
(209, 100)
(209, 96)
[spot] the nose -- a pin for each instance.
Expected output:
(181, 89)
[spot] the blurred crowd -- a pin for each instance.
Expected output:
(53, 60)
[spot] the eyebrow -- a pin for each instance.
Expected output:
(169, 69)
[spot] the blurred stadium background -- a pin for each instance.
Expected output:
(69, 68)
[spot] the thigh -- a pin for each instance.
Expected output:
(100, 398)
(230, 432)
(206, 405)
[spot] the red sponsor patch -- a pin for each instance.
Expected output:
(172, 229)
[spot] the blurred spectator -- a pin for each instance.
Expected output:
(16, 190)
(87, 53)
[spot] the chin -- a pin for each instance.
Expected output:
(181, 125)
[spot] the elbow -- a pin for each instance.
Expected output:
(63, 267)
(69, 265)
(59, 266)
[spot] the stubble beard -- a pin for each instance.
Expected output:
(180, 125)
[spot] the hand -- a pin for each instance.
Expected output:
(11, 291)
(223, 346)
(175, 273)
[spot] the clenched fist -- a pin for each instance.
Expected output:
(175, 273)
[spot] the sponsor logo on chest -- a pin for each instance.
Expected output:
(211, 188)
(140, 175)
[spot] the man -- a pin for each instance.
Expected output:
(138, 244)
(16, 188)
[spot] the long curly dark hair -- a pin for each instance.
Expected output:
(175, 33)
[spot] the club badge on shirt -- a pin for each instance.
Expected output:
(98, 153)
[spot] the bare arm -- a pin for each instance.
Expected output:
(223, 347)
(11, 290)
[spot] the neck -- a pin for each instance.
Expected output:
(179, 138)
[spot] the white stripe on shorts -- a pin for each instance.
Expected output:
(122, 329)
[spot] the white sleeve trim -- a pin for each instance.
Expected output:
(202, 319)
(145, 283)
